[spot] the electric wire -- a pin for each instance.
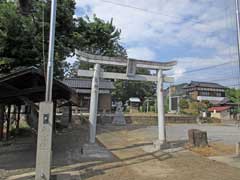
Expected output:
(204, 68)
(140, 9)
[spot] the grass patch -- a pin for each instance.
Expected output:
(214, 149)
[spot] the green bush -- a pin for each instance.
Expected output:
(141, 109)
(127, 109)
(152, 109)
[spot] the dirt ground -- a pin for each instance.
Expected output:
(119, 156)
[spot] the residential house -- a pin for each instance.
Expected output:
(175, 93)
(83, 88)
(220, 112)
(134, 103)
(200, 91)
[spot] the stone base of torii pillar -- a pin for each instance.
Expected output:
(159, 146)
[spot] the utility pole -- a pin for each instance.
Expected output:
(238, 31)
(45, 121)
(170, 98)
(238, 43)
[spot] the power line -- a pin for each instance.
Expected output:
(234, 85)
(149, 11)
(223, 79)
(205, 68)
(140, 9)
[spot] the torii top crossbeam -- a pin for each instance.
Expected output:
(120, 61)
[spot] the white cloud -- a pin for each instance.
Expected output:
(199, 25)
(143, 53)
(167, 25)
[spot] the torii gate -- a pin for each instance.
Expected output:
(131, 65)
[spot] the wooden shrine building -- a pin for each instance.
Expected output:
(24, 88)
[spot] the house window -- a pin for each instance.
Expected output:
(204, 93)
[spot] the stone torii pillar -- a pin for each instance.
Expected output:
(94, 103)
(160, 106)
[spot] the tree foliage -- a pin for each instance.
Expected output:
(233, 95)
(183, 104)
(24, 39)
(24, 42)
(126, 89)
(98, 37)
(193, 107)
(95, 36)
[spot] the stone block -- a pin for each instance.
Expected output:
(197, 138)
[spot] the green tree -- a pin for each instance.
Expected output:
(193, 107)
(24, 39)
(233, 95)
(183, 104)
(98, 37)
(126, 89)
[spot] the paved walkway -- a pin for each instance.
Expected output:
(127, 145)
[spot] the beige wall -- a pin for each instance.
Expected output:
(194, 94)
(224, 115)
(105, 103)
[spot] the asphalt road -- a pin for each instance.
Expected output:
(216, 133)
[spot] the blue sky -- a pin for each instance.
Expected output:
(196, 33)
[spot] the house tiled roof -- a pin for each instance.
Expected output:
(203, 84)
(87, 83)
(219, 108)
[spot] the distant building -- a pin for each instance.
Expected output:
(220, 112)
(198, 91)
(175, 93)
(83, 88)
(212, 92)
(134, 104)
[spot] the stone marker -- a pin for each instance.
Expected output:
(65, 118)
(197, 138)
(118, 118)
(238, 149)
(44, 142)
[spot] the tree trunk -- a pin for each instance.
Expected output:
(18, 119)
(1, 120)
(8, 123)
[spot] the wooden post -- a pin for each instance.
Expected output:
(238, 149)
(70, 112)
(1, 120)
(8, 122)
(18, 118)
(54, 115)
